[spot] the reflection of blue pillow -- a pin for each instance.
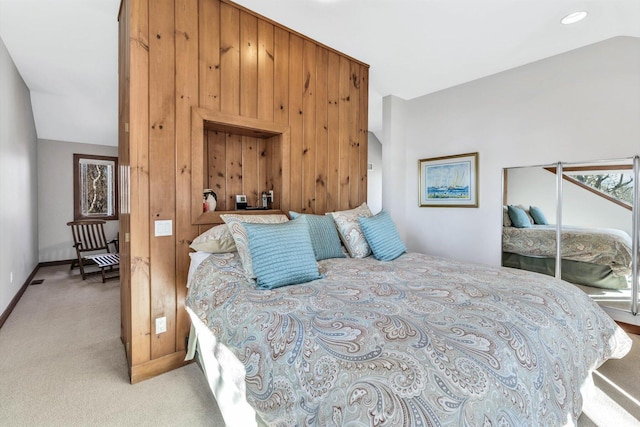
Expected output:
(281, 254)
(382, 236)
(538, 216)
(324, 236)
(518, 217)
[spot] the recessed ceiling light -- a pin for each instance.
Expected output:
(574, 17)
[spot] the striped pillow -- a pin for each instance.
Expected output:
(236, 223)
(382, 236)
(281, 254)
(324, 236)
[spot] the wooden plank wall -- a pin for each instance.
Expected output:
(217, 55)
(228, 156)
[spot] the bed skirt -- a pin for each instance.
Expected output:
(225, 375)
(581, 273)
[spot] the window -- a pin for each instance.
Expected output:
(95, 187)
(613, 182)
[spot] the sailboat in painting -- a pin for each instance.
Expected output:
(450, 181)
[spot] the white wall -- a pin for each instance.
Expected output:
(395, 189)
(374, 176)
(55, 196)
(18, 182)
(536, 186)
(582, 105)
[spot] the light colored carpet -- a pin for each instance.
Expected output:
(62, 364)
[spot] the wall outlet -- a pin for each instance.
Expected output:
(161, 325)
(11, 277)
(164, 228)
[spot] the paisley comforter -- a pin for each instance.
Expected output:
(602, 246)
(419, 341)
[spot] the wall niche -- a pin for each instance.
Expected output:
(235, 155)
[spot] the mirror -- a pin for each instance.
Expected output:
(527, 244)
(591, 205)
(597, 202)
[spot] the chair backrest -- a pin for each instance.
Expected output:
(88, 236)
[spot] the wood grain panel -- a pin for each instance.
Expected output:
(186, 94)
(209, 50)
(249, 172)
(295, 121)
(266, 149)
(158, 366)
(248, 65)
(234, 168)
(333, 130)
(229, 59)
(309, 127)
(264, 171)
(217, 162)
(345, 133)
(139, 185)
(354, 134)
(162, 172)
(265, 70)
(321, 129)
(281, 173)
(363, 126)
(249, 102)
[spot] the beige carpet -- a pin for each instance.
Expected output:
(62, 364)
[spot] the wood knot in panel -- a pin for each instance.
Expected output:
(307, 81)
(141, 41)
(356, 82)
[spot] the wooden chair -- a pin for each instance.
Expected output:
(92, 247)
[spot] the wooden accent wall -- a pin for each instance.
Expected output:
(184, 57)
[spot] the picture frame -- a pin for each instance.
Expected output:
(95, 187)
(449, 181)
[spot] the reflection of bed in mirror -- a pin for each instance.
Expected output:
(596, 205)
(597, 257)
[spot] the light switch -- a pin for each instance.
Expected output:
(164, 228)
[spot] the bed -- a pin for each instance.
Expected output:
(415, 341)
(598, 257)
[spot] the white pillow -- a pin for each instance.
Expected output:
(350, 231)
(216, 240)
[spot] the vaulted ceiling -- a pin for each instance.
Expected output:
(66, 50)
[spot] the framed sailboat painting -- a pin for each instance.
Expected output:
(450, 181)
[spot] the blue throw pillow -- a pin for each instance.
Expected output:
(281, 254)
(382, 236)
(518, 217)
(324, 236)
(538, 216)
